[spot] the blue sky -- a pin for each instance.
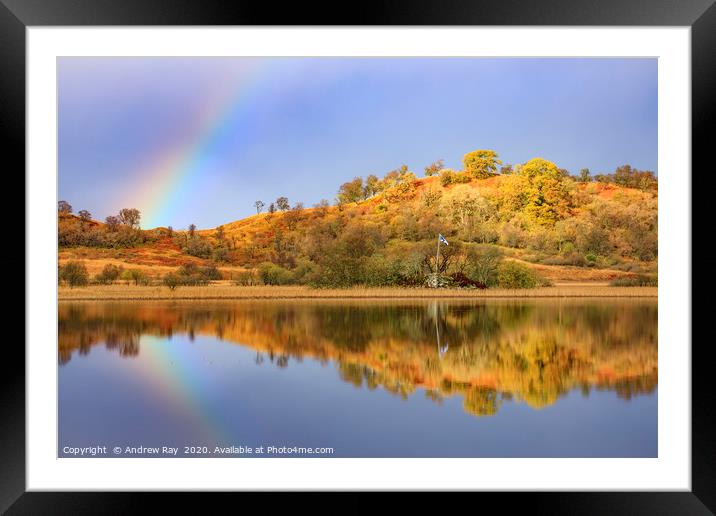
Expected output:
(198, 140)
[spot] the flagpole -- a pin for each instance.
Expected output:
(437, 259)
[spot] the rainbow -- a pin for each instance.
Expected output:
(172, 376)
(170, 177)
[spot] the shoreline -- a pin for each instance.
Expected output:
(229, 292)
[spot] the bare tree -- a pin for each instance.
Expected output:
(85, 216)
(112, 223)
(259, 206)
(129, 217)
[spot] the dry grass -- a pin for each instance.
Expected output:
(225, 291)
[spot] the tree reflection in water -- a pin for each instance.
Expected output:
(487, 352)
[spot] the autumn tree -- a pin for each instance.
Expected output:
(293, 216)
(322, 207)
(372, 186)
(506, 170)
(64, 207)
(404, 174)
(481, 164)
(435, 167)
(546, 197)
(282, 203)
(352, 191)
(632, 178)
(259, 206)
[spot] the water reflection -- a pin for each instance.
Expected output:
(485, 352)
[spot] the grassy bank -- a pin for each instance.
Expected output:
(224, 291)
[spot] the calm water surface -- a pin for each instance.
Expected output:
(540, 378)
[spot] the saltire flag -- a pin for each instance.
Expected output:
(442, 239)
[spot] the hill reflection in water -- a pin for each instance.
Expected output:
(486, 352)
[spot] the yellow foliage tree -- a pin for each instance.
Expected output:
(481, 163)
(546, 195)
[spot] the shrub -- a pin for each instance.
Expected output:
(210, 272)
(640, 280)
(512, 235)
(514, 275)
(573, 258)
(198, 247)
(460, 280)
(220, 254)
(272, 274)
(482, 265)
(381, 270)
(110, 273)
(135, 275)
(192, 275)
(74, 274)
(172, 280)
(246, 278)
(449, 176)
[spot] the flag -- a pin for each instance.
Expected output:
(442, 239)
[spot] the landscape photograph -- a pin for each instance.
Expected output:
(357, 257)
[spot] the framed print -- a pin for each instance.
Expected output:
(441, 249)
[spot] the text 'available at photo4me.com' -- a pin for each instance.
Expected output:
(189, 451)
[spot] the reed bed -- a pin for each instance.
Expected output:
(223, 291)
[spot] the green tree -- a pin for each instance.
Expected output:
(585, 175)
(514, 275)
(481, 163)
(135, 275)
(74, 273)
(172, 280)
(483, 264)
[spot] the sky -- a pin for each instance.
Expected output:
(199, 140)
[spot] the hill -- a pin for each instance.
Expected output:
(383, 231)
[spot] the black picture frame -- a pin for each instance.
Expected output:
(700, 15)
